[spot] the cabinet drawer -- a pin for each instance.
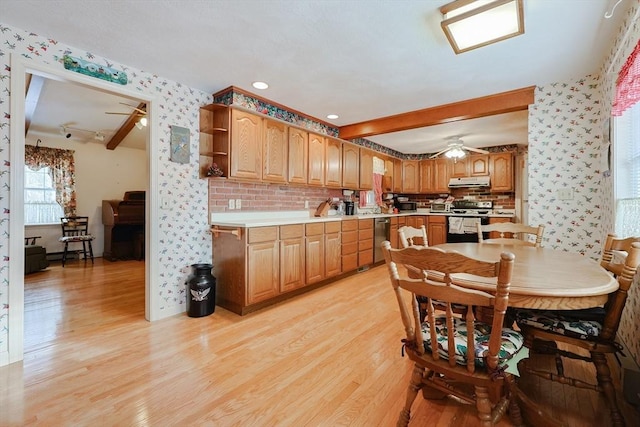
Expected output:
(332, 227)
(349, 262)
(365, 244)
(349, 248)
(315, 229)
(437, 219)
(364, 224)
(349, 225)
(365, 257)
(365, 234)
(349, 236)
(291, 231)
(262, 234)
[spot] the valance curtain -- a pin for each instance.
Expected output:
(61, 170)
(628, 83)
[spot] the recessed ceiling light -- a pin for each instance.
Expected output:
(332, 116)
(260, 85)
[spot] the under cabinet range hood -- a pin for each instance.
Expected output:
(469, 182)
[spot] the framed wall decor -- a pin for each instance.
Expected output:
(180, 145)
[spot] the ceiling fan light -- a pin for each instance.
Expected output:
(470, 25)
(143, 121)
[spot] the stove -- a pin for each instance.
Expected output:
(463, 219)
(471, 208)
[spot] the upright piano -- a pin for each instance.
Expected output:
(123, 222)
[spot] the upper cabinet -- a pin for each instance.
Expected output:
(410, 176)
(214, 138)
(350, 166)
(397, 175)
(441, 175)
(316, 173)
(366, 169)
(387, 179)
(298, 155)
(426, 176)
(460, 167)
(246, 145)
(478, 165)
(501, 171)
(275, 151)
(333, 163)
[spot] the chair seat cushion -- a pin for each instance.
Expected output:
(76, 238)
(512, 341)
(582, 324)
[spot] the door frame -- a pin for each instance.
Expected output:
(19, 68)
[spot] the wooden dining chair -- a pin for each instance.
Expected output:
(510, 233)
(592, 329)
(411, 236)
(75, 229)
(452, 355)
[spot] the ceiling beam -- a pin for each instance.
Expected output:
(33, 90)
(505, 102)
(125, 128)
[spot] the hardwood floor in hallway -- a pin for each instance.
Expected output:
(327, 358)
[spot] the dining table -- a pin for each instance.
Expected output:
(542, 278)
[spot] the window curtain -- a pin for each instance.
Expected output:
(628, 83)
(61, 169)
(377, 188)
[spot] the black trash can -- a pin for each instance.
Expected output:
(201, 291)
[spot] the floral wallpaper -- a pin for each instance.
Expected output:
(184, 238)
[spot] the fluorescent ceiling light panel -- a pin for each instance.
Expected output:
(472, 24)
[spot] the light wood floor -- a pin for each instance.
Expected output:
(327, 358)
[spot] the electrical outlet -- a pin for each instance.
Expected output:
(565, 194)
(238, 203)
(232, 204)
(306, 204)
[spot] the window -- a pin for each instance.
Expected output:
(627, 172)
(40, 206)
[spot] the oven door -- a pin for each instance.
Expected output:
(464, 229)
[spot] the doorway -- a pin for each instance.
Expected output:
(20, 68)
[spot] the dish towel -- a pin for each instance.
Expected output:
(456, 225)
(469, 225)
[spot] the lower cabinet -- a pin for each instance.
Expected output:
(314, 252)
(349, 245)
(332, 249)
(292, 257)
(437, 229)
(365, 242)
(262, 264)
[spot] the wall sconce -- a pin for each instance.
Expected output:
(472, 24)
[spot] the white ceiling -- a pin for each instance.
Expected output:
(360, 59)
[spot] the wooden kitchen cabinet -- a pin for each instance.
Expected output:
(262, 264)
(436, 229)
(333, 163)
(246, 145)
(417, 221)
(365, 242)
(298, 156)
(214, 138)
(350, 166)
(292, 257)
(478, 165)
(410, 176)
(393, 232)
(349, 252)
(332, 249)
(387, 179)
(366, 169)
(441, 175)
(501, 171)
(314, 248)
(316, 171)
(397, 175)
(275, 149)
(426, 176)
(460, 168)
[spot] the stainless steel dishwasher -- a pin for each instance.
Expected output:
(382, 228)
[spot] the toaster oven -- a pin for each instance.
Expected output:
(440, 207)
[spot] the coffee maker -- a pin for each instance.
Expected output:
(349, 208)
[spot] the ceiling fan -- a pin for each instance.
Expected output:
(456, 149)
(137, 111)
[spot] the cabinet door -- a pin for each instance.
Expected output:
(262, 271)
(246, 145)
(436, 230)
(479, 165)
(292, 261)
(350, 166)
(333, 163)
(298, 155)
(315, 258)
(441, 176)
(460, 168)
(387, 179)
(426, 176)
(410, 176)
(275, 151)
(333, 252)
(501, 171)
(366, 169)
(316, 160)
(397, 175)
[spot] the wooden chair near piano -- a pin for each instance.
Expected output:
(75, 229)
